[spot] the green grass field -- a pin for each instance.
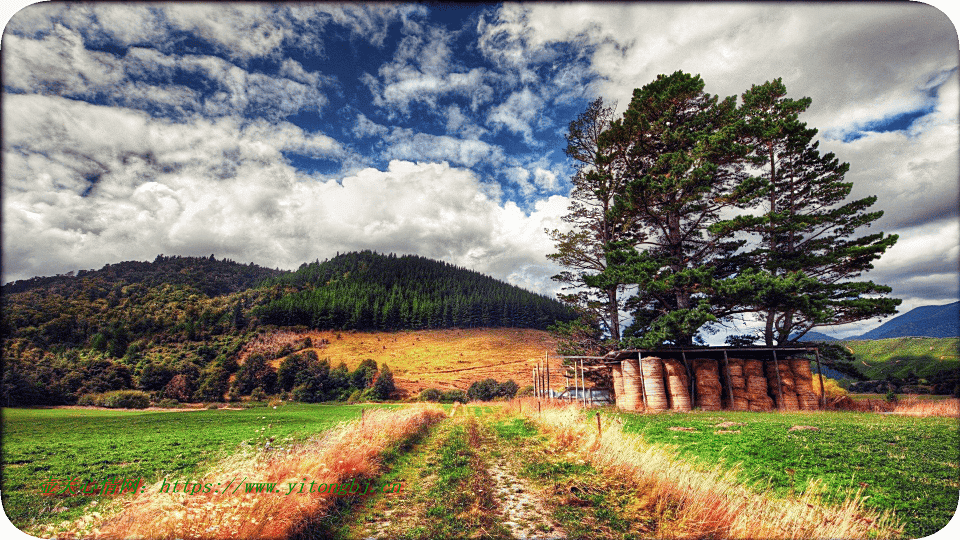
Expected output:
(96, 445)
(906, 464)
(898, 357)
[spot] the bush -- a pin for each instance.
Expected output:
(117, 399)
(258, 394)
(451, 396)
(168, 403)
(430, 394)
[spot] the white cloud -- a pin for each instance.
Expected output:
(519, 114)
(407, 144)
(217, 186)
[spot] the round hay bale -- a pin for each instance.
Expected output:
(678, 391)
(632, 392)
(618, 385)
(653, 384)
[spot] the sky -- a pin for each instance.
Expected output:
(284, 133)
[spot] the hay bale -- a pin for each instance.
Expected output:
(677, 390)
(706, 374)
(618, 385)
(632, 392)
(803, 378)
(653, 383)
(784, 396)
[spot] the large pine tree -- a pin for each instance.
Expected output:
(681, 152)
(596, 183)
(807, 249)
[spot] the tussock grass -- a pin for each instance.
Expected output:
(912, 406)
(351, 451)
(691, 502)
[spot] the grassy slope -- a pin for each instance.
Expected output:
(899, 356)
(903, 463)
(443, 359)
(96, 445)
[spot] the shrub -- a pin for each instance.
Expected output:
(258, 394)
(117, 399)
(168, 403)
(430, 394)
(451, 396)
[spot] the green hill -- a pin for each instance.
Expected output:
(178, 326)
(932, 359)
(368, 291)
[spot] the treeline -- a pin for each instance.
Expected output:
(369, 291)
(690, 211)
(175, 327)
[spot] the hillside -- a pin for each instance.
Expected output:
(177, 326)
(369, 291)
(900, 356)
(443, 359)
(926, 321)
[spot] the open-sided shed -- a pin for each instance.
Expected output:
(715, 378)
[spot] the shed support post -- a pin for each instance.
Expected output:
(692, 382)
(776, 367)
(823, 399)
(643, 387)
(726, 365)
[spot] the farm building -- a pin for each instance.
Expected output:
(715, 378)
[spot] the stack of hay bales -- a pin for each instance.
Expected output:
(788, 400)
(618, 385)
(632, 399)
(677, 389)
(738, 386)
(707, 380)
(803, 379)
(757, 386)
(656, 393)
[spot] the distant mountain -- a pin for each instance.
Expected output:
(817, 336)
(370, 291)
(926, 321)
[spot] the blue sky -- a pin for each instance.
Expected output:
(282, 133)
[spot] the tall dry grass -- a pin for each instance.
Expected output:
(913, 406)
(693, 503)
(350, 451)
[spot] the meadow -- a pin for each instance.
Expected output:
(95, 445)
(907, 465)
(901, 463)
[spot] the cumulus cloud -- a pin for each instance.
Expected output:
(422, 71)
(520, 114)
(407, 144)
(216, 186)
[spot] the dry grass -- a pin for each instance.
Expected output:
(350, 451)
(692, 503)
(912, 406)
(443, 359)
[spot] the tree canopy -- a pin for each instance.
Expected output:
(716, 210)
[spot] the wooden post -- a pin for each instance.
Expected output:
(643, 387)
(776, 366)
(583, 383)
(693, 385)
(599, 432)
(823, 398)
(726, 364)
(538, 406)
(546, 360)
(533, 376)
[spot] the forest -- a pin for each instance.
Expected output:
(175, 327)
